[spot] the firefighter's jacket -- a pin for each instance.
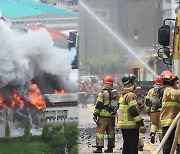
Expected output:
(128, 113)
(103, 100)
(148, 101)
(170, 105)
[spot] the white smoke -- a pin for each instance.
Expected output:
(22, 55)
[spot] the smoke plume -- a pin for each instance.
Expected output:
(24, 54)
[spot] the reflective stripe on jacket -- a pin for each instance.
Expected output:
(103, 97)
(125, 120)
(149, 97)
(170, 105)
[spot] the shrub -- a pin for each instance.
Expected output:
(7, 131)
(71, 135)
(74, 150)
(27, 134)
(45, 133)
(64, 138)
(58, 142)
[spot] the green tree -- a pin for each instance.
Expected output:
(74, 150)
(64, 139)
(71, 135)
(58, 141)
(7, 131)
(113, 57)
(27, 134)
(45, 133)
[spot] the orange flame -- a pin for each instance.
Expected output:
(62, 91)
(35, 98)
(16, 99)
(2, 102)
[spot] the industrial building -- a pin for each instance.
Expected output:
(136, 21)
(29, 12)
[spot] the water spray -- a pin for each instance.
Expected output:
(120, 40)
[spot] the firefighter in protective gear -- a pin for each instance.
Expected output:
(129, 117)
(170, 107)
(83, 93)
(104, 119)
(153, 105)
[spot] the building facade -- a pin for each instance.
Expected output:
(136, 21)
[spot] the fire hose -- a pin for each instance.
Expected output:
(175, 121)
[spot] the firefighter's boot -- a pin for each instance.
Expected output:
(109, 150)
(152, 138)
(98, 150)
(111, 144)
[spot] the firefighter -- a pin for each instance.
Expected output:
(153, 105)
(83, 93)
(129, 117)
(170, 107)
(104, 119)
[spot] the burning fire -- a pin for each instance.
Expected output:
(2, 102)
(35, 98)
(16, 99)
(62, 91)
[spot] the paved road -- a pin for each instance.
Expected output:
(87, 134)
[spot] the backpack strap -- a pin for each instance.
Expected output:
(109, 94)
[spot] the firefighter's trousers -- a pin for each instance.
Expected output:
(105, 124)
(156, 124)
(131, 138)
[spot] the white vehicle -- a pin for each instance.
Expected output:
(61, 108)
(87, 78)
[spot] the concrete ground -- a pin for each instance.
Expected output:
(87, 134)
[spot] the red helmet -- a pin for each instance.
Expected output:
(108, 80)
(168, 76)
(164, 72)
(159, 80)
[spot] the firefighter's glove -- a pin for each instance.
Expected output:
(95, 118)
(142, 129)
(140, 123)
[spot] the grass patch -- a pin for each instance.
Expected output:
(16, 146)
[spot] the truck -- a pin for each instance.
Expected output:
(170, 55)
(63, 107)
(169, 38)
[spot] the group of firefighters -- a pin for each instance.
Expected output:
(86, 89)
(162, 103)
